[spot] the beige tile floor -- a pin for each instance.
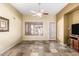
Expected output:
(40, 48)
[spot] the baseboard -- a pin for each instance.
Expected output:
(10, 47)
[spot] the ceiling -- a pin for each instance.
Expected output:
(52, 8)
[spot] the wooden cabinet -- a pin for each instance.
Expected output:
(75, 43)
(71, 43)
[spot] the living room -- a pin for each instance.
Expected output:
(38, 32)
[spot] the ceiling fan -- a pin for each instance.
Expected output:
(40, 12)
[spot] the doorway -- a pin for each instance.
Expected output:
(52, 30)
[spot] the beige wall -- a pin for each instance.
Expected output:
(74, 17)
(60, 30)
(45, 20)
(9, 39)
(61, 21)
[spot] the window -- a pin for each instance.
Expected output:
(33, 28)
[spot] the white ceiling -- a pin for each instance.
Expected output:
(52, 8)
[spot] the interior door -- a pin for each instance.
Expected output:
(52, 30)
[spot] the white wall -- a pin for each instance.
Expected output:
(9, 39)
(45, 20)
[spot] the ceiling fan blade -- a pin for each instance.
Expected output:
(33, 11)
(37, 14)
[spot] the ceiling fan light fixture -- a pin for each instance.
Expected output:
(39, 14)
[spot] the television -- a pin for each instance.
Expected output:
(75, 29)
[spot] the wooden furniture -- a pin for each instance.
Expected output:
(74, 42)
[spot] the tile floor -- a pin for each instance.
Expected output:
(40, 48)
